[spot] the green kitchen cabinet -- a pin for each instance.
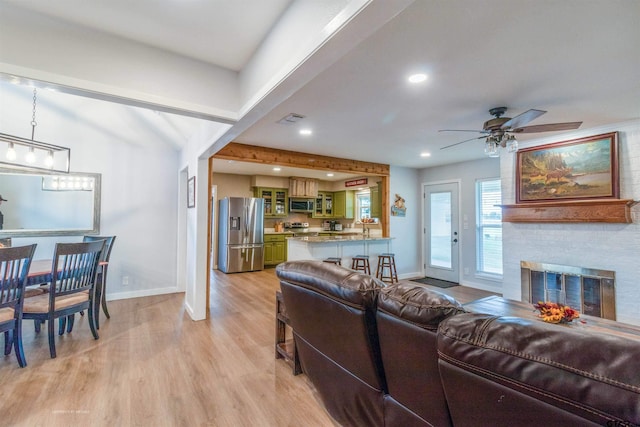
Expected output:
(324, 207)
(376, 201)
(344, 204)
(275, 249)
(276, 201)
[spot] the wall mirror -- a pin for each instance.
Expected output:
(49, 204)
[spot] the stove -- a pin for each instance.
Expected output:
(300, 229)
(296, 225)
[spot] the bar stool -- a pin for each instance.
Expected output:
(387, 261)
(333, 260)
(361, 263)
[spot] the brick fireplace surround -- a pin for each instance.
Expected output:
(614, 247)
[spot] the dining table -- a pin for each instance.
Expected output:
(40, 273)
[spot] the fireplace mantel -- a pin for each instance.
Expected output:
(597, 210)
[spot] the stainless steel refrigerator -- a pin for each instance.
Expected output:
(240, 234)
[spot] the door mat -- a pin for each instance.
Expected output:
(436, 282)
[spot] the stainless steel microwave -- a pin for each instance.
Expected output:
(301, 205)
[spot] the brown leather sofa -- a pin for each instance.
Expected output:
(403, 355)
(370, 351)
(507, 371)
(332, 313)
(407, 320)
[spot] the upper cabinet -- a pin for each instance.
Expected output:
(344, 204)
(276, 201)
(376, 201)
(303, 187)
(324, 205)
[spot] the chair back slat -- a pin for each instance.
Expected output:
(74, 267)
(14, 268)
(108, 245)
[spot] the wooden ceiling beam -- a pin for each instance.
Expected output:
(255, 154)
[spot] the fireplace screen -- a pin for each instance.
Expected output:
(589, 290)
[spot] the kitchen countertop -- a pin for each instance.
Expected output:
(348, 231)
(332, 239)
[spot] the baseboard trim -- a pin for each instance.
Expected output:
(409, 276)
(143, 293)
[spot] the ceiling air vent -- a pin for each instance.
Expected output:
(290, 119)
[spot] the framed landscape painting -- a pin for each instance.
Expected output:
(585, 168)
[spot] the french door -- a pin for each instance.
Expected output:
(442, 239)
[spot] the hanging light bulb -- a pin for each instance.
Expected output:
(16, 157)
(11, 152)
(48, 161)
(491, 147)
(31, 156)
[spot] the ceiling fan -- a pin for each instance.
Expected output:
(499, 130)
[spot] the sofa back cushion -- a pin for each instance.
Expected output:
(512, 371)
(332, 313)
(407, 318)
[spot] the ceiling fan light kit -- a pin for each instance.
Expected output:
(493, 143)
(499, 130)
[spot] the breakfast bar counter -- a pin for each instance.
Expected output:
(344, 247)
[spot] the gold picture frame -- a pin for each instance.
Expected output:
(577, 169)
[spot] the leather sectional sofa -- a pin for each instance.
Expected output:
(404, 355)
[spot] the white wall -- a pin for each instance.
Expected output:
(467, 173)
(194, 251)
(603, 246)
(405, 230)
(296, 35)
(68, 55)
(139, 187)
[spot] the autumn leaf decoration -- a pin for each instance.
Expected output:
(556, 313)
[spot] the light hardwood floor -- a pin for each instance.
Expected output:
(153, 366)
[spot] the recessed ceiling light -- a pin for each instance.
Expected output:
(305, 132)
(417, 78)
(329, 174)
(425, 154)
(277, 169)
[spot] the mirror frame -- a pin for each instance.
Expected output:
(64, 231)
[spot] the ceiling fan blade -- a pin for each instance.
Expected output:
(548, 127)
(462, 130)
(522, 119)
(462, 142)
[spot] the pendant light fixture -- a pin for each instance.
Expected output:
(22, 153)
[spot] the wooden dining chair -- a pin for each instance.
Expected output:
(14, 268)
(101, 280)
(72, 288)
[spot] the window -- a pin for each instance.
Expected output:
(363, 204)
(489, 227)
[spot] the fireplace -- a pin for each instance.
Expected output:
(588, 290)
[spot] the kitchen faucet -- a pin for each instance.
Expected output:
(365, 231)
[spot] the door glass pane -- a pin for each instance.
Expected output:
(441, 229)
